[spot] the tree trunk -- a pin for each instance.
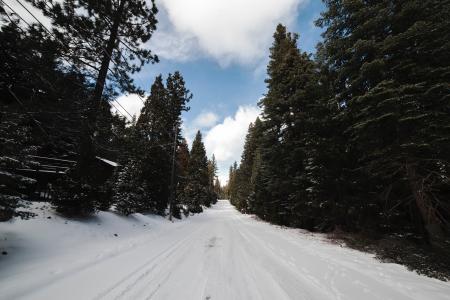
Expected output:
(430, 219)
(107, 56)
(87, 147)
(172, 174)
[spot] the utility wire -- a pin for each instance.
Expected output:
(49, 32)
(158, 145)
(21, 18)
(66, 60)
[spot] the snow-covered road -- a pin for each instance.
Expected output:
(220, 254)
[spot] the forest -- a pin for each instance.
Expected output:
(58, 137)
(357, 137)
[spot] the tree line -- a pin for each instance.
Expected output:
(58, 84)
(356, 137)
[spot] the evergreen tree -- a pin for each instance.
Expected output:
(196, 191)
(153, 130)
(182, 172)
(218, 188)
(44, 98)
(389, 75)
(91, 35)
(129, 190)
(94, 34)
(154, 137)
(178, 96)
(245, 186)
(232, 183)
(281, 155)
(212, 171)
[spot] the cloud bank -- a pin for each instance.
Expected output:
(231, 31)
(226, 140)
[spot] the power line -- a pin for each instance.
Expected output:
(78, 84)
(61, 44)
(117, 110)
(74, 66)
(124, 109)
(110, 58)
(49, 32)
(21, 104)
(174, 144)
(30, 113)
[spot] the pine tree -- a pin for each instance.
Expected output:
(196, 191)
(178, 96)
(153, 129)
(31, 59)
(130, 190)
(91, 36)
(218, 188)
(279, 142)
(152, 141)
(245, 187)
(212, 172)
(182, 172)
(94, 34)
(232, 183)
(389, 75)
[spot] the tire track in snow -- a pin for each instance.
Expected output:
(274, 265)
(338, 268)
(144, 270)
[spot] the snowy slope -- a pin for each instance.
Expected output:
(219, 254)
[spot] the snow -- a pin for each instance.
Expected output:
(219, 254)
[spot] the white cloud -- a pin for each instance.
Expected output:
(230, 31)
(168, 43)
(202, 122)
(130, 102)
(206, 120)
(226, 140)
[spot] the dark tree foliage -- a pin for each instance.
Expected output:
(130, 193)
(153, 129)
(232, 183)
(218, 188)
(391, 75)
(244, 183)
(44, 101)
(182, 164)
(212, 177)
(103, 40)
(92, 32)
(152, 140)
(196, 192)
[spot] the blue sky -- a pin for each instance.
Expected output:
(222, 51)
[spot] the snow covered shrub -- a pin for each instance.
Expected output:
(129, 192)
(73, 196)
